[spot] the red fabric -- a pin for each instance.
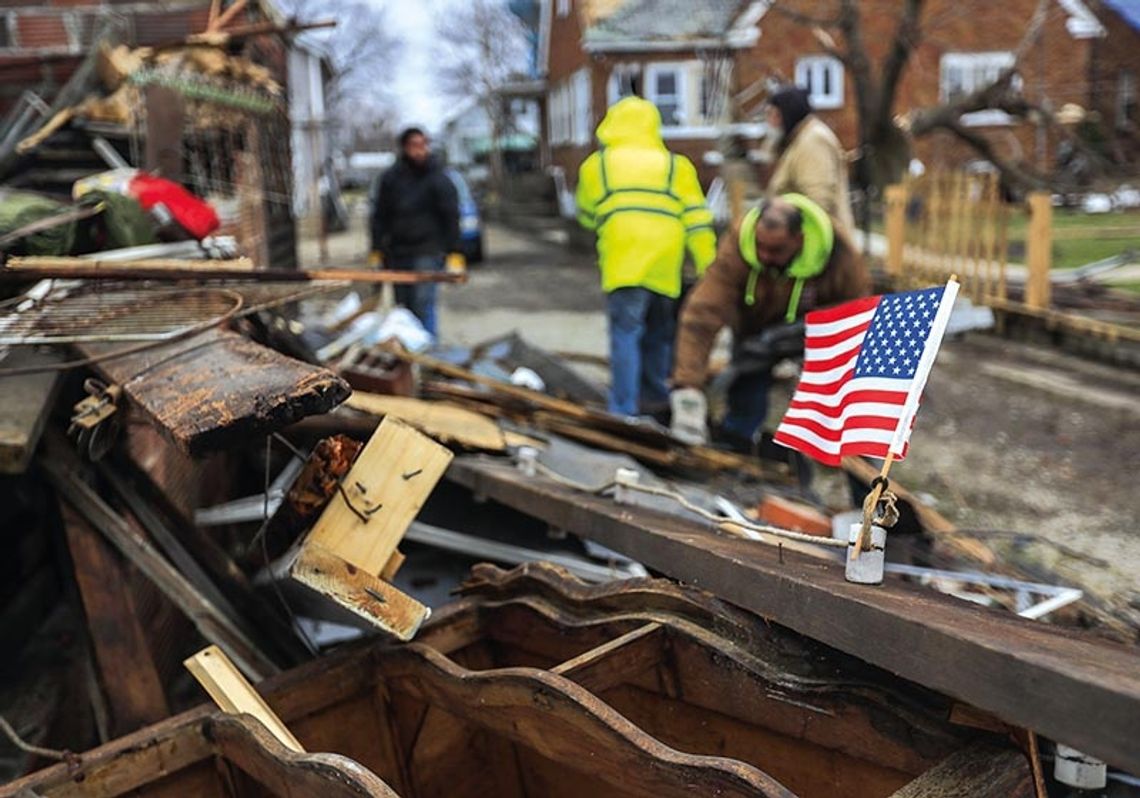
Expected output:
(192, 213)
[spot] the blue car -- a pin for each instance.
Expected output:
(470, 226)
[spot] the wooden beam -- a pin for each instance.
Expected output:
(233, 694)
(977, 771)
(990, 659)
(127, 672)
(28, 400)
(62, 469)
(171, 269)
(219, 388)
(443, 421)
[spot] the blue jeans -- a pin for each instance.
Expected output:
(642, 325)
(419, 298)
(747, 404)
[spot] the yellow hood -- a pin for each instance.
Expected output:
(631, 122)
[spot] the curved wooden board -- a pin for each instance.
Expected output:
(240, 739)
(834, 710)
(563, 722)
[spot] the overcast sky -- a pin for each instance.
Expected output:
(419, 102)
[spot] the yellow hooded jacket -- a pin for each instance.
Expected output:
(644, 202)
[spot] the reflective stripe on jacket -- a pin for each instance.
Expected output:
(644, 202)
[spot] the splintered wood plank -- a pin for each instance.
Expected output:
(380, 496)
(126, 668)
(978, 771)
(28, 401)
(359, 592)
(233, 694)
(617, 661)
(445, 422)
(218, 388)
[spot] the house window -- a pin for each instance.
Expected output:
(563, 8)
(625, 80)
(962, 74)
(1125, 98)
(557, 120)
(666, 89)
(822, 77)
(5, 37)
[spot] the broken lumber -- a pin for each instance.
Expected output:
(977, 771)
(45, 267)
(127, 670)
(990, 659)
(607, 431)
(355, 538)
(445, 422)
(234, 695)
(63, 471)
(218, 388)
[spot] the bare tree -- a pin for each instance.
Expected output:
(482, 47)
(364, 53)
(884, 137)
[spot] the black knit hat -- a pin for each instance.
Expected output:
(794, 105)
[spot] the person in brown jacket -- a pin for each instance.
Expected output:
(810, 160)
(784, 258)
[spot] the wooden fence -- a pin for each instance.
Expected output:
(948, 223)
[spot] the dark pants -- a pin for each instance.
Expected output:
(419, 298)
(747, 404)
(642, 327)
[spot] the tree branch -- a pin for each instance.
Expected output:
(907, 36)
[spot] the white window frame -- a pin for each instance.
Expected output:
(811, 71)
(977, 70)
(564, 8)
(680, 70)
(559, 121)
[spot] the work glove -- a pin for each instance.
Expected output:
(689, 415)
(375, 259)
(455, 263)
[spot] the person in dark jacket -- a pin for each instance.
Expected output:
(415, 223)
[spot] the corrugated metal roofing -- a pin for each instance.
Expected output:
(664, 21)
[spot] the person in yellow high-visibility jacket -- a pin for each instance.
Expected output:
(646, 206)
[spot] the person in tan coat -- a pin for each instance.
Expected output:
(784, 258)
(810, 159)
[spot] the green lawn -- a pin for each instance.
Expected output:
(1080, 238)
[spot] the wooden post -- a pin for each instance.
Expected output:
(164, 118)
(896, 197)
(1039, 251)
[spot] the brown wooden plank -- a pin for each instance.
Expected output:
(990, 659)
(975, 772)
(28, 400)
(218, 388)
(127, 672)
(61, 468)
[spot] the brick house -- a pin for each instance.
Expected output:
(707, 66)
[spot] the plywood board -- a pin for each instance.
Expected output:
(443, 421)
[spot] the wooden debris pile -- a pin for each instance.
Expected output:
(238, 506)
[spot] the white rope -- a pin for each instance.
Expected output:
(723, 524)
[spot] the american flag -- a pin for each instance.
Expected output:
(865, 365)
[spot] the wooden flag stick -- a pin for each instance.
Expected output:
(864, 539)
